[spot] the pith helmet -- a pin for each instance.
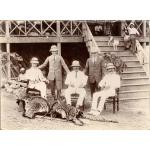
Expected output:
(75, 64)
(53, 48)
(34, 60)
(110, 66)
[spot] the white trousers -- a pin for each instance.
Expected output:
(103, 95)
(80, 91)
(41, 86)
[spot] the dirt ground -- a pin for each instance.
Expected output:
(133, 115)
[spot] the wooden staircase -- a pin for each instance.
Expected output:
(135, 84)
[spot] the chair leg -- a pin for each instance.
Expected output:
(83, 104)
(105, 106)
(114, 104)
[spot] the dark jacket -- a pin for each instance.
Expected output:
(94, 70)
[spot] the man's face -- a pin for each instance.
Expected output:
(76, 68)
(132, 26)
(93, 54)
(54, 52)
(34, 64)
(111, 70)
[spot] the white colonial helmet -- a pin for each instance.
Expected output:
(110, 66)
(75, 63)
(53, 48)
(34, 60)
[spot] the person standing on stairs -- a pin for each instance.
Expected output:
(133, 32)
(55, 70)
(94, 70)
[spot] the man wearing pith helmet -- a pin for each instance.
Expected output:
(55, 63)
(133, 32)
(108, 84)
(76, 81)
(36, 78)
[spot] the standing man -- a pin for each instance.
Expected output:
(76, 81)
(94, 70)
(133, 34)
(55, 70)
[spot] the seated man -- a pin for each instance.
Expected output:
(76, 81)
(36, 78)
(108, 84)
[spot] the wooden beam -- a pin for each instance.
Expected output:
(8, 51)
(144, 33)
(68, 39)
(58, 36)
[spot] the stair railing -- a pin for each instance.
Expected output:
(142, 56)
(88, 38)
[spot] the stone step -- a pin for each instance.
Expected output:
(134, 94)
(136, 86)
(134, 80)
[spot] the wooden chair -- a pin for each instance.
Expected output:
(114, 100)
(74, 98)
(32, 92)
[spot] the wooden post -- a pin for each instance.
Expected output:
(58, 35)
(144, 33)
(8, 51)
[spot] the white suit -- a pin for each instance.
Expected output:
(36, 80)
(76, 82)
(110, 82)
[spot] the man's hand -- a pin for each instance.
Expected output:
(47, 81)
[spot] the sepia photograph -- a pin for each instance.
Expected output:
(75, 74)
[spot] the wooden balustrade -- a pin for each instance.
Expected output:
(41, 28)
(88, 38)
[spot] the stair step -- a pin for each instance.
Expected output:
(134, 80)
(132, 63)
(133, 74)
(131, 58)
(135, 86)
(134, 68)
(134, 94)
(134, 98)
(105, 48)
(106, 38)
(105, 43)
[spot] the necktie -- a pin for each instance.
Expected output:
(76, 74)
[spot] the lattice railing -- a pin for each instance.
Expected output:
(32, 28)
(138, 25)
(41, 28)
(70, 28)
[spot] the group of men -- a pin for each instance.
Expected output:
(101, 86)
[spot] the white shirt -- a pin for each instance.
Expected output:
(133, 31)
(111, 81)
(78, 81)
(35, 75)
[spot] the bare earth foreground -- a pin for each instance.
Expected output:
(133, 115)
